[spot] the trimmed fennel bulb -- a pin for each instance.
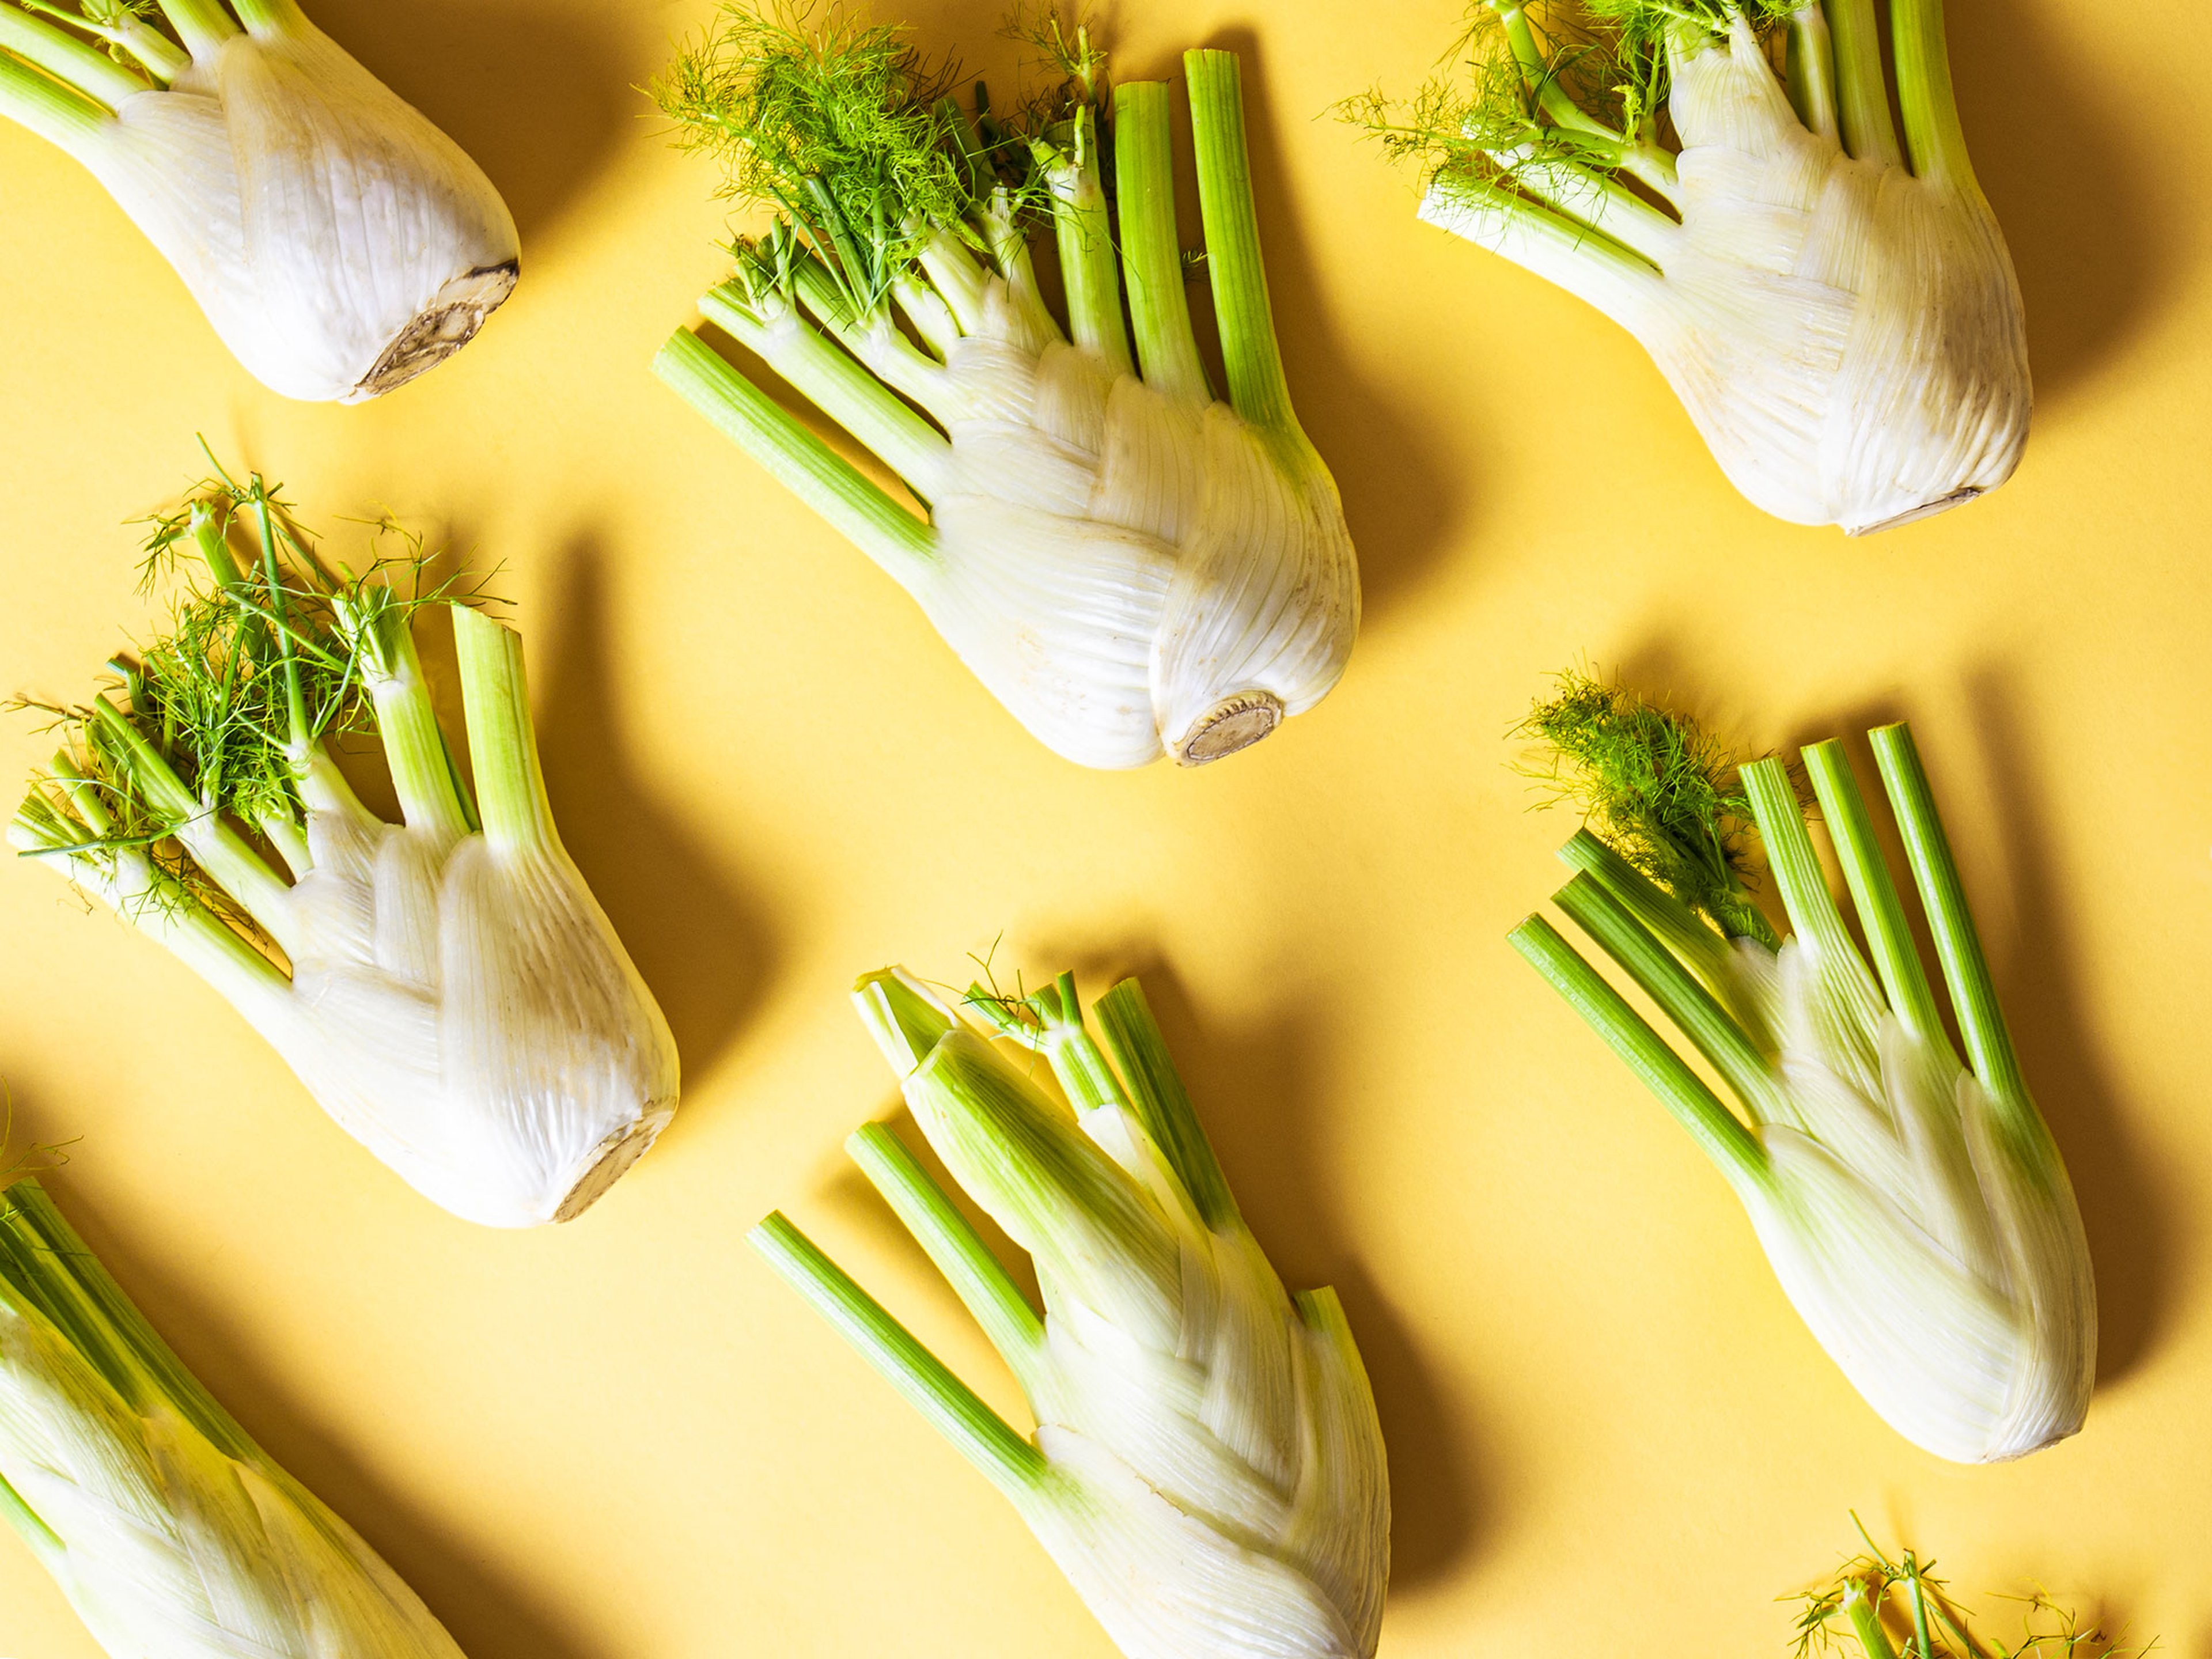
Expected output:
(1131, 566)
(173, 1535)
(1913, 1205)
(447, 987)
(340, 243)
(1207, 1468)
(1836, 311)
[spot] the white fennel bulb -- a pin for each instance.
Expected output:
(1131, 566)
(339, 243)
(1836, 313)
(173, 1535)
(447, 987)
(1207, 1468)
(1913, 1205)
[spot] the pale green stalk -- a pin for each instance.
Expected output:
(830, 380)
(502, 742)
(1152, 251)
(953, 1409)
(79, 66)
(1719, 1133)
(1873, 894)
(1862, 93)
(1933, 134)
(1083, 230)
(854, 506)
(1958, 941)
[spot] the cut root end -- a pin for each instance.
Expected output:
(449, 322)
(616, 1153)
(1233, 724)
(1925, 510)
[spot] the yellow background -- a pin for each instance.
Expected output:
(1608, 1433)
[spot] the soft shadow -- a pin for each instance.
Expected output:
(539, 96)
(2131, 1242)
(2082, 208)
(486, 1615)
(705, 949)
(1404, 506)
(1254, 1090)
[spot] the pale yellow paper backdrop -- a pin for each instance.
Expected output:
(1608, 1434)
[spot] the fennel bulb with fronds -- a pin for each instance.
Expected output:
(173, 1535)
(1836, 311)
(1131, 566)
(1913, 1204)
(1207, 1468)
(339, 243)
(447, 987)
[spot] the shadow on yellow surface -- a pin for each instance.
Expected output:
(2129, 1243)
(707, 952)
(2075, 200)
(540, 96)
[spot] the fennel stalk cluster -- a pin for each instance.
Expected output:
(173, 1535)
(1131, 566)
(447, 987)
(1835, 308)
(1207, 1468)
(340, 244)
(1913, 1203)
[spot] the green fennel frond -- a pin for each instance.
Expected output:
(841, 128)
(1665, 793)
(267, 655)
(1920, 1620)
(1555, 98)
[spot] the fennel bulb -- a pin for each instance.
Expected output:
(447, 987)
(173, 1535)
(340, 243)
(1836, 313)
(1131, 566)
(1207, 1468)
(1914, 1206)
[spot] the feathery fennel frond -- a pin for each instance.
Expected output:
(1663, 791)
(1854, 1611)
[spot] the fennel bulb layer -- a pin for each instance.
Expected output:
(1207, 1468)
(337, 240)
(1913, 1203)
(1131, 566)
(173, 1535)
(1842, 324)
(447, 987)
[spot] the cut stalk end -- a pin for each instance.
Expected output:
(1925, 510)
(611, 1160)
(449, 322)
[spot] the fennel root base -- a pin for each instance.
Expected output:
(616, 1153)
(449, 322)
(1233, 724)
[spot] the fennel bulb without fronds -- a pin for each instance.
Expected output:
(1207, 1468)
(340, 243)
(447, 987)
(1131, 566)
(173, 1535)
(1913, 1205)
(1836, 311)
